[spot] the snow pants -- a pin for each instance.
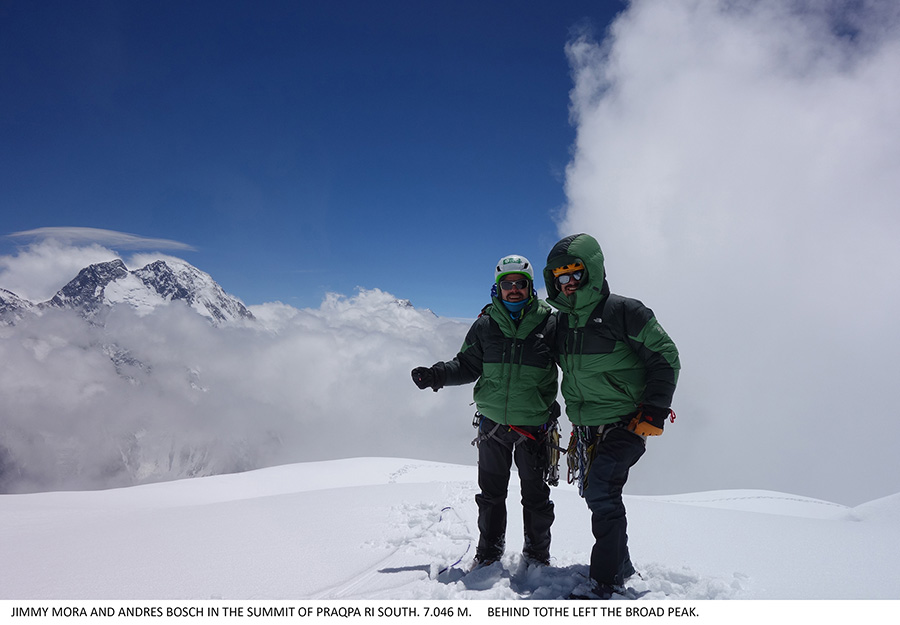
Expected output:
(612, 459)
(495, 457)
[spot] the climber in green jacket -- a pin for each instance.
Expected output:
(619, 374)
(509, 354)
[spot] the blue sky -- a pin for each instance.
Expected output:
(736, 159)
(296, 147)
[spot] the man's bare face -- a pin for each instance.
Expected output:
(515, 292)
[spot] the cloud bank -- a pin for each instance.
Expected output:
(133, 397)
(167, 395)
(738, 163)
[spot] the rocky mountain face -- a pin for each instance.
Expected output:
(13, 307)
(173, 281)
(158, 284)
(85, 292)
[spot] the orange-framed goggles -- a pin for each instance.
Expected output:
(574, 269)
(575, 265)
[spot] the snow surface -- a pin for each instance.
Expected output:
(389, 528)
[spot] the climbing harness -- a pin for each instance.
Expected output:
(547, 437)
(551, 467)
(482, 435)
(580, 453)
(577, 456)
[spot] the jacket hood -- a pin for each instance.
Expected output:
(594, 288)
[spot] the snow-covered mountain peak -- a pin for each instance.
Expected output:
(156, 284)
(177, 280)
(12, 307)
(86, 290)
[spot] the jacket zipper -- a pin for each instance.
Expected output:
(508, 354)
(575, 357)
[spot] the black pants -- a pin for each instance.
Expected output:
(495, 456)
(619, 451)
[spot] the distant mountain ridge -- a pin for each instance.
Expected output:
(12, 306)
(157, 284)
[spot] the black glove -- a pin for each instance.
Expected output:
(650, 421)
(433, 377)
(423, 377)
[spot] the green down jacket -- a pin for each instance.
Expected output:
(513, 363)
(613, 353)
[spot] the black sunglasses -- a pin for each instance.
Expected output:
(564, 278)
(508, 285)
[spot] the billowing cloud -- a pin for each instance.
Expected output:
(142, 397)
(39, 270)
(167, 395)
(738, 163)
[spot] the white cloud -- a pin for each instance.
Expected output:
(737, 161)
(56, 255)
(38, 271)
(150, 396)
(185, 397)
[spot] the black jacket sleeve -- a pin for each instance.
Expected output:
(468, 364)
(653, 346)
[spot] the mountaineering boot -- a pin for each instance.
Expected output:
(482, 561)
(533, 559)
(603, 592)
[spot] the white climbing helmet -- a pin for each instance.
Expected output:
(513, 264)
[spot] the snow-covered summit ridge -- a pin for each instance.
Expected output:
(174, 280)
(159, 283)
(13, 306)
(86, 291)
